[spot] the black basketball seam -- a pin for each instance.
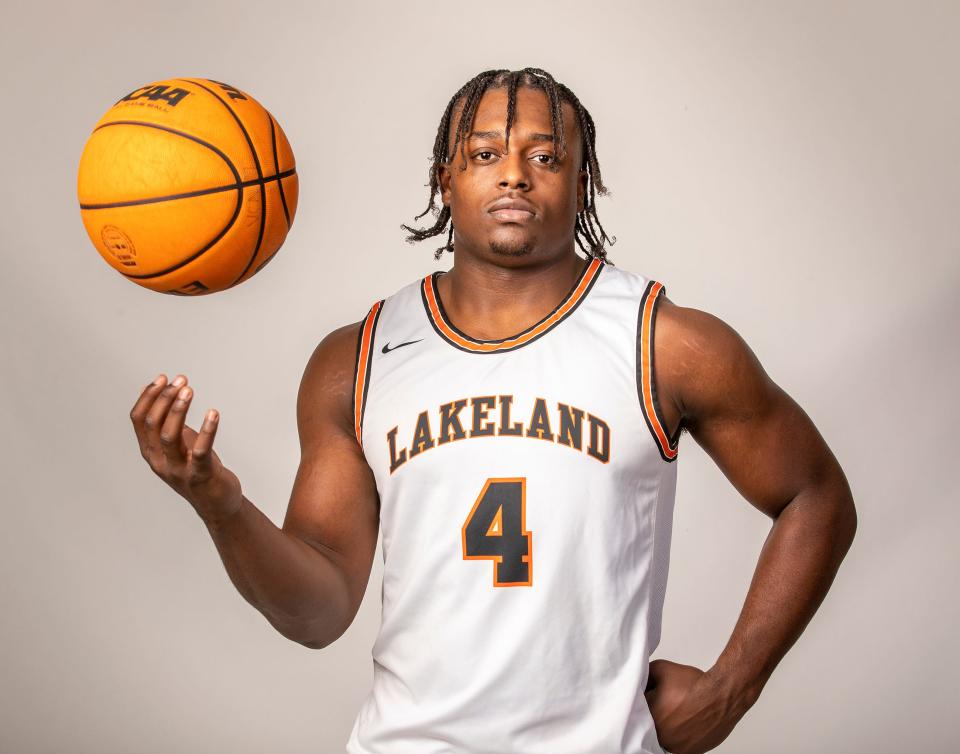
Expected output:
(236, 211)
(184, 134)
(276, 167)
(256, 162)
(190, 194)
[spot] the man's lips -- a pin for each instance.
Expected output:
(512, 215)
(515, 210)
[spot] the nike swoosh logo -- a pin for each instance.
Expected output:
(387, 349)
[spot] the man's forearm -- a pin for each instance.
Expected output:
(297, 588)
(796, 567)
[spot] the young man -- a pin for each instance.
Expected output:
(513, 425)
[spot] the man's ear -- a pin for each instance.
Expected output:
(581, 191)
(443, 176)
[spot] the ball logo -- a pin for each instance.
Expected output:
(119, 244)
(232, 91)
(252, 205)
(190, 289)
(153, 92)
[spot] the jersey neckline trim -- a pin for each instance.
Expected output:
(438, 318)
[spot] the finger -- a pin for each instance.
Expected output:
(146, 397)
(158, 381)
(171, 433)
(157, 413)
(202, 454)
(139, 411)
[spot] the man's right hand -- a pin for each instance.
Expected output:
(181, 456)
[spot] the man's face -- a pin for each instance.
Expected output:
(521, 205)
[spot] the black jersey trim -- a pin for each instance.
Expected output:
(363, 367)
(646, 334)
(569, 303)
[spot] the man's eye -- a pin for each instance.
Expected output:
(484, 156)
(544, 159)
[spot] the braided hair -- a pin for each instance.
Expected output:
(588, 232)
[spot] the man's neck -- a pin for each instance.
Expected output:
(489, 302)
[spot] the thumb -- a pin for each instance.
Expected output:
(203, 459)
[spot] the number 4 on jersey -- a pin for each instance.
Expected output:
(496, 530)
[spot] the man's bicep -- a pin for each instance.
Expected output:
(334, 504)
(758, 436)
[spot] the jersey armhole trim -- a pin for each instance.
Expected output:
(646, 386)
(362, 367)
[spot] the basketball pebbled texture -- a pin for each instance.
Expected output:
(187, 186)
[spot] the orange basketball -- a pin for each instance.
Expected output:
(187, 186)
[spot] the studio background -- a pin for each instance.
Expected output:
(789, 167)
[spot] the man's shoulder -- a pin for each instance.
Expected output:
(328, 376)
(332, 365)
(693, 333)
(697, 354)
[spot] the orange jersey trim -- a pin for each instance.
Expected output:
(465, 343)
(668, 449)
(362, 376)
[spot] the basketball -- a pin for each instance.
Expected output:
(187, 186)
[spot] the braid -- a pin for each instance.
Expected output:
(589, 234)
(556, 113)
(511, 105)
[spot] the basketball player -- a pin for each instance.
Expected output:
(513, 425)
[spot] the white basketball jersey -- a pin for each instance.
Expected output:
(526, 500)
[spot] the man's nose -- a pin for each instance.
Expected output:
(514, 173)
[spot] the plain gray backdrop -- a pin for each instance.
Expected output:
(792, 168)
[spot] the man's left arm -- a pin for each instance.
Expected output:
(770, 450)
